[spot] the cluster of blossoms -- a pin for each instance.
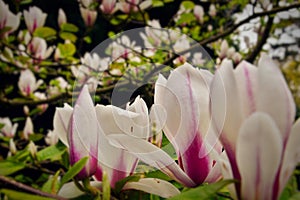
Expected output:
(260, 145)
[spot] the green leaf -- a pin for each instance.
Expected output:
(69, 27)
(44, 32)
(74, 170)
(36, 137)
(52, 153)
(188, 5)
(87, 39)
(14, 195)
(186, 18)
(52, 185)
(203, 192)
(295, 196)
(120, 184)
(10, 167)
(68, 36)
(67, 49)
(157, 3)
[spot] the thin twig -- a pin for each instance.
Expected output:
(29, 189)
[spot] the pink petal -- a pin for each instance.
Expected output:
(83, 133)
(258, 153)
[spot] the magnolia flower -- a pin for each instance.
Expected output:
(37, 47)
(115, 162)
(89, 16)
(72, 125)
(128, 6)
(12, 147)
(34, 18)
(28, 128)
(59, 85)
(198, 59)
(32, 148)
(187, 126)
(212, 10)
(62, 19)
(27, 82)
(8, 19)
(108, 6)
(8, 130)
(255, 119)
(41, 96)
(199, 13)
(51, 138)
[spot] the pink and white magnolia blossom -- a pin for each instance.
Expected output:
(115, 162)
(95, 119)
(187, 126)
(62, 18)
(8, 19)
(27, 82)
(34, 18)
(9, 129)
(89, 16)
(28, 128)
(78, 129)
(128, 6)
(37, 47)
(255, 118)
(199, 13)
(51, 138)
(108, 6)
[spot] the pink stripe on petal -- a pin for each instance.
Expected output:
(196, 168)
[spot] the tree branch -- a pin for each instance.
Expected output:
(261, 41)
(28, 188)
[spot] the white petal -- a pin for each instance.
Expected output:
(70, 190)
(291, 155)
(61, 122)
(151, 155)
(153, 186)
(274, 96)
(258, 153)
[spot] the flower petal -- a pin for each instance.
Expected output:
(83, 133)
(258, 152)
(291, 155)
(117, 162)
(246, 77)
(274, 97)
(70, 190)
(61, 122)
(226, 110)
(151, 155)
(153, 186)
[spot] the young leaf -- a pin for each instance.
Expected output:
(74, 170)
(11, 194)
(10, 167)
(52, 185)
(203, 192)
(52, 153)
(69, 27)
(44, 32)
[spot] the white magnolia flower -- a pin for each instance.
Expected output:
(34, 18)
(7, 18)
(27, 82)
(62, 18)
(9, 129)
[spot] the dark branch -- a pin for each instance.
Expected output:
(261, 41)
(28, 188)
